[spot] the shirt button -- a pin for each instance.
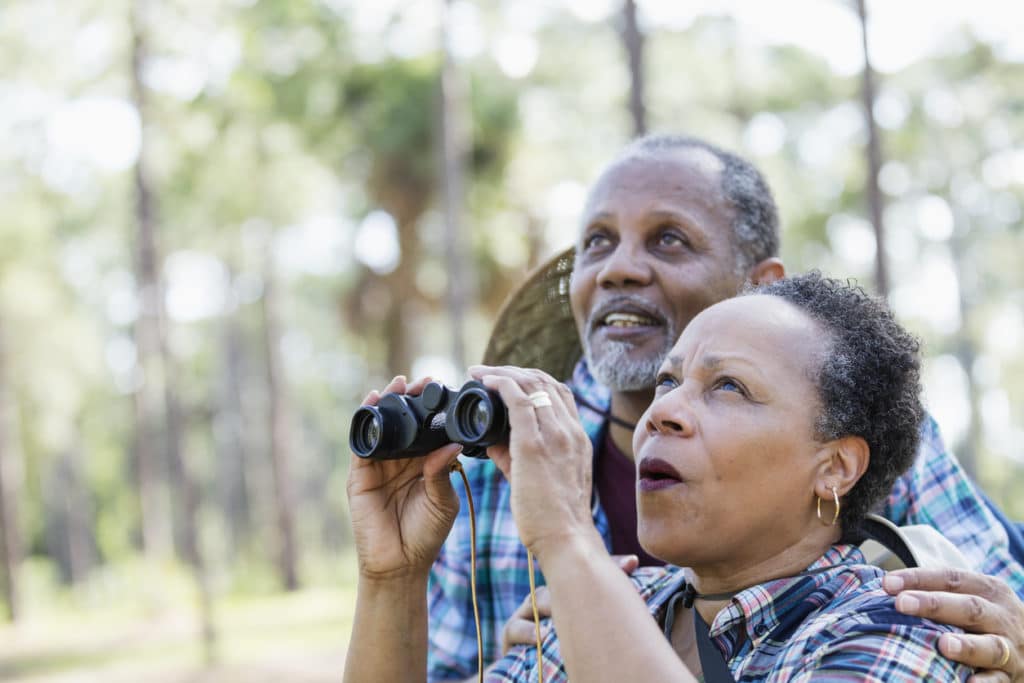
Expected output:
(760, 630)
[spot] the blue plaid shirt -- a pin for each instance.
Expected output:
(935, 491)
(838, 624)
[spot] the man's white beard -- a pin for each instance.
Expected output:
(612, 366)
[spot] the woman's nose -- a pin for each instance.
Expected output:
(670, 415)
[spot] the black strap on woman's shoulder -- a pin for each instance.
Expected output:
(712, 663)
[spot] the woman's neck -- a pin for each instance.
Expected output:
(727, 579)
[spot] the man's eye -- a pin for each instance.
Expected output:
(595, 241)
(672, 238)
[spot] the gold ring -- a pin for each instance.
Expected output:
(1006, 652)
(540, 399)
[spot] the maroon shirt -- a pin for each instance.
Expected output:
(615, 481)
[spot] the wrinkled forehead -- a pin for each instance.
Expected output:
(658, 172)
(761, 326)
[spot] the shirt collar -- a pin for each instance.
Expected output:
(588, 388)
(755, 612)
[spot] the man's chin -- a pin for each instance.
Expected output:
(621, 373)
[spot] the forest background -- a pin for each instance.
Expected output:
(224, 222)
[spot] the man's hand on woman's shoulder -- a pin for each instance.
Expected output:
(984, 607)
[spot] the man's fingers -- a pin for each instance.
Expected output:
(519, 629)
(627, 563)
(980, 652)
(969, 612)
(525, 609)
(990, 677)
(948, 580)
(519, 632)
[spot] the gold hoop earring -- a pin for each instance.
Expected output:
(835, 517)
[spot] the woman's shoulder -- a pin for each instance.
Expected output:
(852, 598)
(858, 630)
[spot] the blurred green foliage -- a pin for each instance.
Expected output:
(277, 132)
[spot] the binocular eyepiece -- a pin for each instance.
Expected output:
(404, 426)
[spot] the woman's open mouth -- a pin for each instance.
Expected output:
(656, 474)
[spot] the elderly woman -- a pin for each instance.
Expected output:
(780, 418)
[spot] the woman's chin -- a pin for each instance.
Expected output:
(670, 544)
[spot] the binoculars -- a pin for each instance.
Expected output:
(404, 426)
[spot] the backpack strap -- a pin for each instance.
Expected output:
(899, 547)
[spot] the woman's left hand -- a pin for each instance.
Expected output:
(983, 606)
(548, 459)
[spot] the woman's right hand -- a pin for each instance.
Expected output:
(401, 510)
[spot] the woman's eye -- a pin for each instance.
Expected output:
(665, 383)
(728, 384)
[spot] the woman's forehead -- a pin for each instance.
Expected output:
(755, 325)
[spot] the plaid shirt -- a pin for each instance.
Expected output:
(837, 624)
(935, 491)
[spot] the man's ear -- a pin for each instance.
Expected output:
(766, 271)
(844, 463)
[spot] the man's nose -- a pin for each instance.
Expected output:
(626, 266)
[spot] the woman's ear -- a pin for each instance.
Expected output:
(844, 463)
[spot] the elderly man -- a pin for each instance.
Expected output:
(671, 227)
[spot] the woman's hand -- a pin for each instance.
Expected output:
(983, 606)
(401, 510)
(548, 459)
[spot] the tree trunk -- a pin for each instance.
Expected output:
(963, 346)
(633, 41)
(874, 159)
(69, 518)
(146, 399)
(232, 460)
(280, 440)
(156, 363)
(10, 536)
(453, 153)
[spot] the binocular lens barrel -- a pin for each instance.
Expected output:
(367, 430)
(404, 426)
(479, 418)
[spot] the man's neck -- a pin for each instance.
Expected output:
(628, 406)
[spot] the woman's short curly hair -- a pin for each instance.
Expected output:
(869, 381)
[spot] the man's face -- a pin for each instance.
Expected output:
(656, 249)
